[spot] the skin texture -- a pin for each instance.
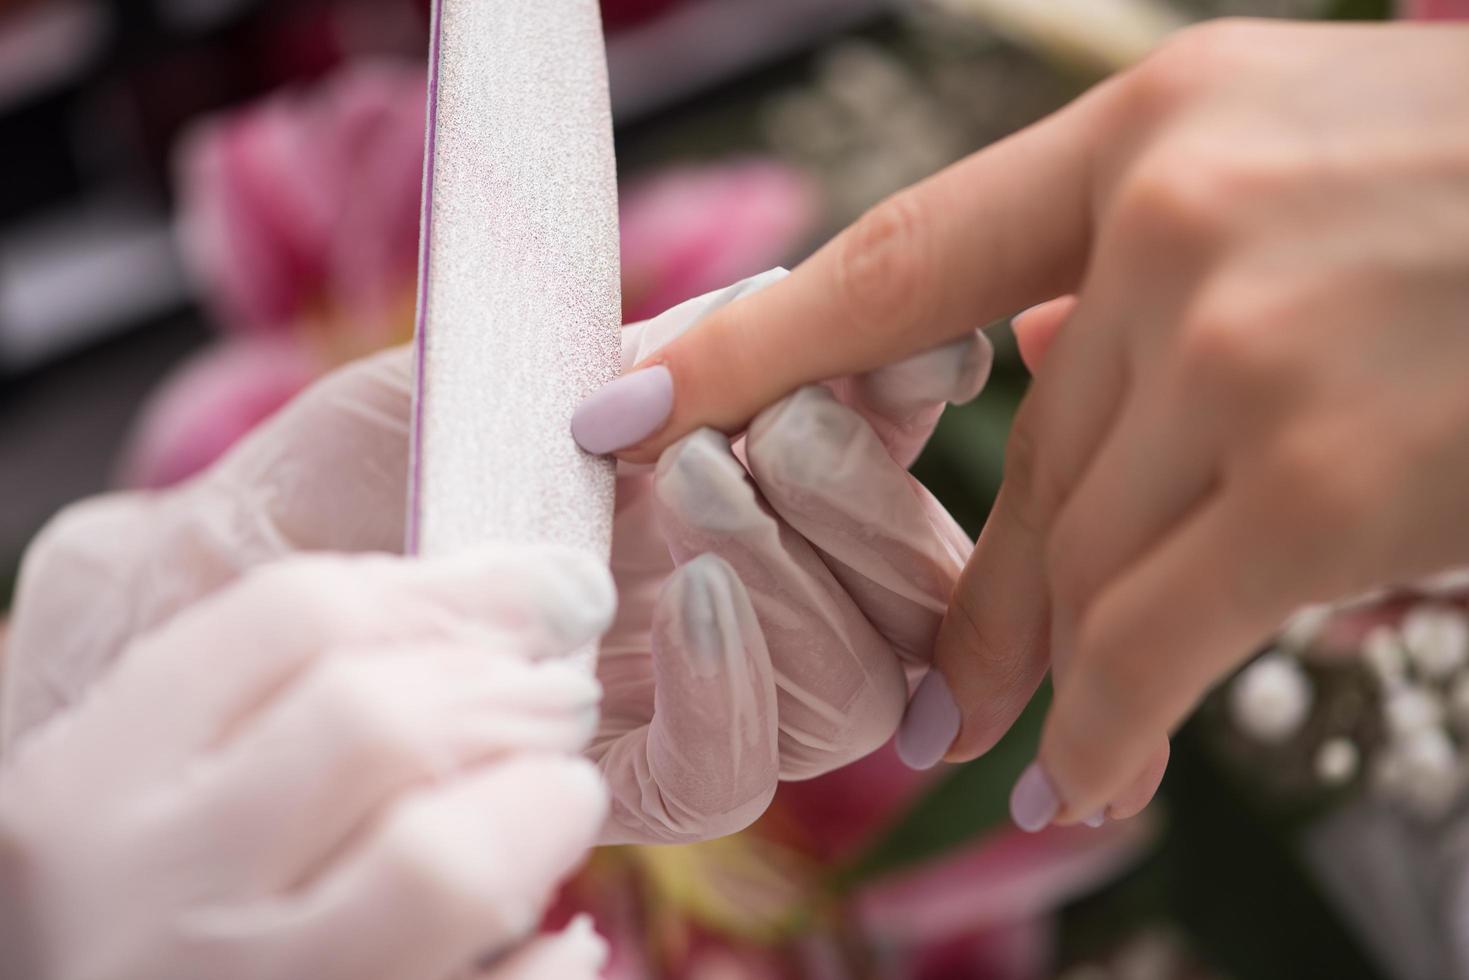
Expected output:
(1251, 398)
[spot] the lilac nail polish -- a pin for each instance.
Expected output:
(624, 412)
(1033, 801)
(929, 725)
(1095, 820)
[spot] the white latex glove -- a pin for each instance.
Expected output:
(332, 768)
(777, 596)
(714, 689)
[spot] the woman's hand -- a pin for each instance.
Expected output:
(331, 768)
(1256, 398)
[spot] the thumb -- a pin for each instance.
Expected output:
(1036, 329)
(707, 764)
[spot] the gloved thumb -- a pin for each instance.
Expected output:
(707, 764)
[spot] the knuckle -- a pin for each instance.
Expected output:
(798, 443)
(1228, 354)
(1175, 198)
(1190, 61)
(882, 267)
(1320, 495)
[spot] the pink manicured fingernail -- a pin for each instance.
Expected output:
(1095, 820)
(624, 412)
(929, 725)
(1033, 801)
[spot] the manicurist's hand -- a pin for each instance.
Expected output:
(333, 767)
(1255, 393)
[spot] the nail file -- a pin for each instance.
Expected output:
(519, 304)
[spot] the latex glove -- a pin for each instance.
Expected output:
(333, 768)
(777, 595)
(712, 692)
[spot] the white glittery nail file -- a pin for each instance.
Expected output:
(519, 303)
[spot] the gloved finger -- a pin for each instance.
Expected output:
(360, 728)
(328, 472)
(839, 689)
(574, 953)
(215, 664)
(890, 544)
(450, 876)
(708, 763)
(903, 401)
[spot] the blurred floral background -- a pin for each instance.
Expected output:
(208, 203)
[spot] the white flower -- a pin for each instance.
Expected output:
(1431, 776)
(1437, 638)
(1382, 649)
(1271, 698)
(1337, 761)
(1411, 709)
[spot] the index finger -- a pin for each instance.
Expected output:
(1002, 229)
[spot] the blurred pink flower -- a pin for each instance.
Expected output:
(833, 817)
(1438, 9)
(1002, 879)
(617, 14)
(691, 229)
(773, 903)
(301, 211)
(208, 404)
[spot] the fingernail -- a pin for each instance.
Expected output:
(929, 725)
(1095, 820)
(1033, 801)
(624, 412)
(707, 621)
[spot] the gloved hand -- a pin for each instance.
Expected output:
(334, 768)
(767, 622)
(778, 595)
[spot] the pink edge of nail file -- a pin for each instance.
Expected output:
(519, 303)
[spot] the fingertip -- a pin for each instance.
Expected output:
(1036, 329)
(1140, 793)
(624, 413)
(1034, 802)
(930, 723)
